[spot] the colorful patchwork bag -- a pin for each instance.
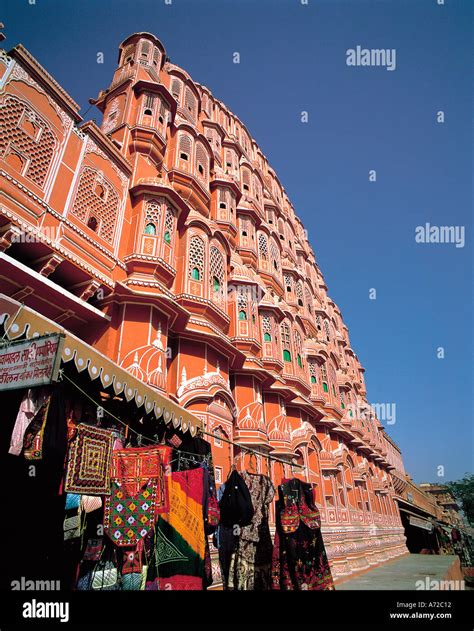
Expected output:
(138, 494)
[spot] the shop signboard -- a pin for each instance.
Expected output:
(30, 363)
(421, 523)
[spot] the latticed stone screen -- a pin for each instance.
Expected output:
(88, 203)
(202, 159)
(217, 275)
(196, 258)
(275, 254)
(153, 213)
(24, 133)
(263, 247)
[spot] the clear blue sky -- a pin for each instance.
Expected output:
(293, 59)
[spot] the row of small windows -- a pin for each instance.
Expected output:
(149, 54)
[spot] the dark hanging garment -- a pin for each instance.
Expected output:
(251, 563)
(225, 541)
(236, 510)
(38, 507)
(235, 506)
(299, 557)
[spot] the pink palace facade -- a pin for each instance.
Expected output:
(166, 241)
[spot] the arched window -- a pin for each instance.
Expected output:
(223, 200)
(145, 50)
(153, 216)
(341, 395)
(242, 302)
(169, 225)
(196, 258)
(150, 100)
(299, 293)
(246, 180)
(327, 330)
(190, 102)
(324, 378)
(127, 54)
(216, 274)
(286, 341)
(185, 148)
(202, 162)
(176, 89)
(332, 378)
(275, 256)
(263, 247)
(298, 349)
(313, 371)
(267, 327)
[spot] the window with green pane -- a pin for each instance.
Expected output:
(325, 387)
(267, 337)
(195, 274)
(242, 315)
(287, 355)
(150, 228)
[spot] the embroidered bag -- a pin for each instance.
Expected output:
(72, 527)
(90, 503)
(72, 501)
(88, 461)
(105, 576)
(93, 550)
(138, 493)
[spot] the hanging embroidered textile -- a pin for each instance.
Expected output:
(34, 434)
(88, 462)
(32, 402)
(138, 493)
(251, 562)
(178, 561)
(299, 556)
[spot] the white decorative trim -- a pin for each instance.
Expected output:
(91, 147)
(19, 74)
